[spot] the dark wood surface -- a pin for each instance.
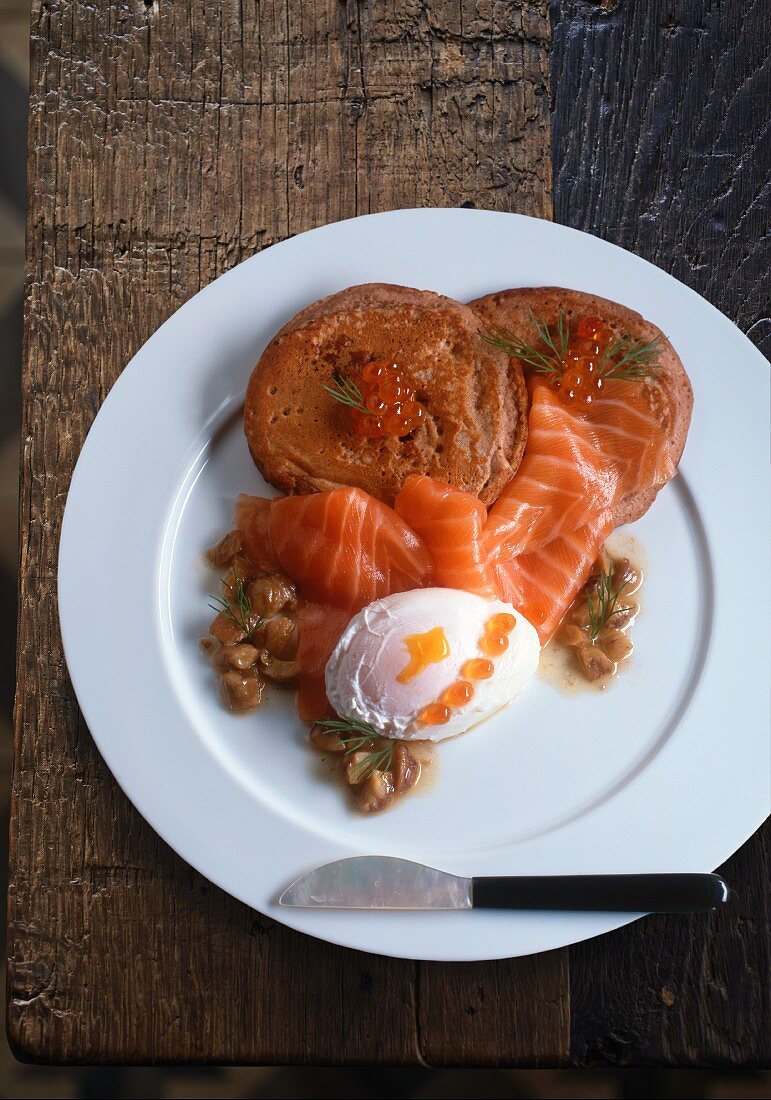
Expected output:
(170, 140)
(661, 145)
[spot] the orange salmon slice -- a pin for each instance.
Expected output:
(319, 627)
(548, 525)
(451, 523)
(343, 548)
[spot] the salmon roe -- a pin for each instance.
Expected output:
(478, 668)
(494, 641)
(494, 644)
(458, 694)
(502, 623)
(537, 613)
(579, 378)
(497, 629)
(390, 403)
(435, 714)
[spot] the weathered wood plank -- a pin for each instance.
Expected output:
(661, 140)
(661, 145)
(681, 991)
(511, 1012)
(167, 142)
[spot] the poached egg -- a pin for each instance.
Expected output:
(430, 663)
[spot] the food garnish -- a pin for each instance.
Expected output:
(578, 363)
(547, 359)
(597, 627)
(630, 359)
(435, 714)
(361, 736)
(478, 668)
(345, 390)
(602, 604)
(238, 609)
(381, 402)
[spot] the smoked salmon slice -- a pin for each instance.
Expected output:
(343, 548)
(550, 522)
(565, 476)
(253, 521)
(543, 583)
(319, 627)
(451, 523)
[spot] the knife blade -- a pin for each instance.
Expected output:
(385, 882)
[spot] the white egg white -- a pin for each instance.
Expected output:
(361, 675)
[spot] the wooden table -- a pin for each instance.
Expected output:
(168, 141)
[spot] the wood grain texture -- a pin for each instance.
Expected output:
(662, 145)
(511, 1012)
(168, 141)
(662, 142)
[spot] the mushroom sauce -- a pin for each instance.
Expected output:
(253, 638)
(594, 639)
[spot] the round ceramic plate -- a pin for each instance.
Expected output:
(668, 770)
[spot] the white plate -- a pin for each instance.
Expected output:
(667, 771)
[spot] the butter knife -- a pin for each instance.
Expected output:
(383, 882)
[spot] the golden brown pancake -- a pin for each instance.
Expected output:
(474, 431)
(509, 311)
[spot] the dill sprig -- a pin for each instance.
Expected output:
(238, 609)
(630, 359)
(362, 736)
(602, 604)
(345, 390)
(546, 360)
(624, 357)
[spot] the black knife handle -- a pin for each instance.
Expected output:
(688, 893)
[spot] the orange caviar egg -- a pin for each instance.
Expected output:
(587, 326)
(370, 426)
(396, 424)
(391, 392)
(389, 403)
(494, 644)
(592, 328)
(478, 668)
(458, 694)
(502, 623)
(578, 349)
(537, 613)
(375, 403)
(413, 411)
(585, 366)
(377, 370)
(435, 714)
(573, 380)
